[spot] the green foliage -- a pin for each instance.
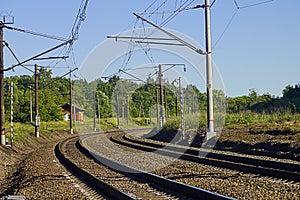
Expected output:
(289, 102)
(103, 105)
(104, 97)
(141, 121)
(52, 94)
(172, 124)
(291, 91)
(22, 130)
(258, 118)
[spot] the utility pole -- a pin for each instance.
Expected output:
(181, 108)
(176, 104)
(71, 104)
(99, 112)
(95, 113)
(162, 110)
(118, 113)
(2, 118)
(2, 112)
(37, 117)
(166, 105)
(127, 110)
(157, 102)
(11, 113)
(30, 97)
(210, 113)
(123, 110)
(210, 118)
(150, 110)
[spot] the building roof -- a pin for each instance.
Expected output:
(77, 109)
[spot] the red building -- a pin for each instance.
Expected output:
(77, 113)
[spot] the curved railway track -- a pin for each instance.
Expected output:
(282, 170)
(91, 180)
(152, 186)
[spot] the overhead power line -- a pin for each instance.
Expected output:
(251, 5)
(226, 27)
(15, 56)
(212, 3)
(238, 7)
(120, 70)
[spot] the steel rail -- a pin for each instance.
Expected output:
(100, 186)
(243, 159)
(188, 191)
(287, 171)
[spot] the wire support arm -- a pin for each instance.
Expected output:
(171, 11)
(38, 55)
(159, 43)
(37, 34)
(173, 36)
(120, 70)
(139, 38)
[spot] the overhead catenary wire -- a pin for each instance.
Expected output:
(147, 51)
(65, 51)
(256, 4)
(146, 48)
(120, 70)
(225, 29)
(57, 78)
(238, 7)
(211, 5)
(172, 16)
(131, 47)
(15, 56)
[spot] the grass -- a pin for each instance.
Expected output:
(111, 123)
(249, 118)
(284, 123)
(20, 130)
(281, 122)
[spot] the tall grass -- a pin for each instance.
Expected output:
(194, 121)
(257, 118)
(20, 130)
(111, 123)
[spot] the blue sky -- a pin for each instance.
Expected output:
(259, 50)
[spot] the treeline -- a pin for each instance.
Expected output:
(289, 102)
(126, 97)
(142, 97)
(108, 98)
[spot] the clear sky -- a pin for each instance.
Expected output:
(259, 50)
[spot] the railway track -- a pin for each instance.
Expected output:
(89, 179)
(282, 170)
(123, 184)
